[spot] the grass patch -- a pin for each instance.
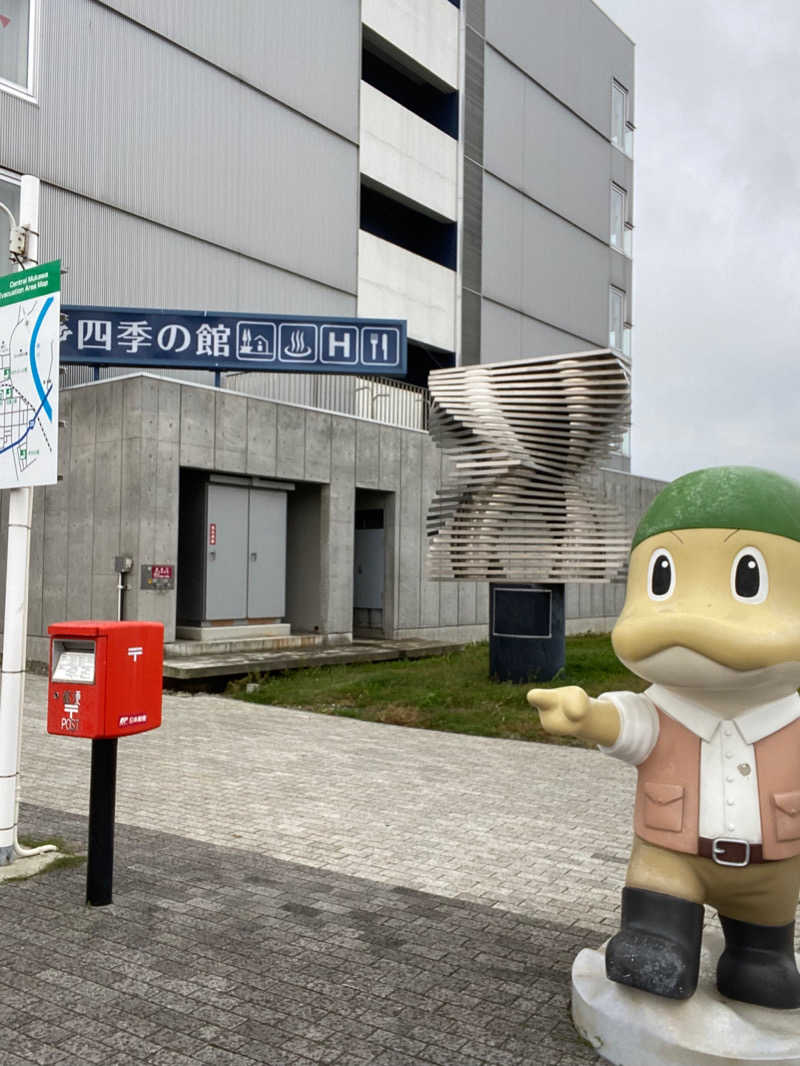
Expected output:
(452, 693)
(68, 857)
(59, 843)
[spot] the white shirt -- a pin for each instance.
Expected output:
(729, 805)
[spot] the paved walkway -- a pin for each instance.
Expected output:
(292, 888)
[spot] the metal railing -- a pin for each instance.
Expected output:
(379, 399)
(394, 403)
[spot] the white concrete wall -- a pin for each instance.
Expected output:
(424, 30)
(394, 283)
(404, 152)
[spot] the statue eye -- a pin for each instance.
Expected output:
(749, 578)
(660, 575)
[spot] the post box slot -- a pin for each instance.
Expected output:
(74, 661)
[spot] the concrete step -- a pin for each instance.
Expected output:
(207, 634)
(186, 649)
(232, 664)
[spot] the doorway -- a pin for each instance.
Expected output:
(371, 614)
(232, 550)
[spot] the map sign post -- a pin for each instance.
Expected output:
(29, 330)
(29, 336)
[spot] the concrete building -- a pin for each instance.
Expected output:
(464, 167)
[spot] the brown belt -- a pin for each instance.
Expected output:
(730, 852)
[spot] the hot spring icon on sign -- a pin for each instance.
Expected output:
(298, 342)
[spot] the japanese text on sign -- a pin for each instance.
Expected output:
(106, 336)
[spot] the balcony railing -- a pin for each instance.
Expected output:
(394, 403)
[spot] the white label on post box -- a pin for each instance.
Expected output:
(75, 666)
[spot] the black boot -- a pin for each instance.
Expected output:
(658, 945)
(758, 964)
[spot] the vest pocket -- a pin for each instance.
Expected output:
(787, 815)
(663, 807)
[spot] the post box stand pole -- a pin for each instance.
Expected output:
(102, 803)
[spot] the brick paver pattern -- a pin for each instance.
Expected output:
(294, 888)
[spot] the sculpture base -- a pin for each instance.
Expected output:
(633, 1028)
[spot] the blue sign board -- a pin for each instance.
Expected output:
(206, 340)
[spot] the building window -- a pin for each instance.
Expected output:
(616, 319)
(16, 45)
(9, 195)
(621, 126)
(621, 229)
(617, 217)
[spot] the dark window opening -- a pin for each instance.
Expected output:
(383, 73)
(422, 360)
(416, 232)
(369, 518)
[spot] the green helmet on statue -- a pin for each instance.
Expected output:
(725, 497)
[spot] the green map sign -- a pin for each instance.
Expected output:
(28, 284)
(30, 308)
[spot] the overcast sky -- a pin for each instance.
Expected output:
(716, 307)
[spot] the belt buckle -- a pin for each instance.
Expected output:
(719, 846)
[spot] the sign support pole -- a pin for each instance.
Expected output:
(15, 626)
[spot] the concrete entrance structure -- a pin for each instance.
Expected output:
(125, 446)
(129, 442)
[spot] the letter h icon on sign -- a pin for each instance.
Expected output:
(339, 345)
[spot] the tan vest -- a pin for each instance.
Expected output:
(667, 809)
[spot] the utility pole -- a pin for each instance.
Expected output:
(15, 626)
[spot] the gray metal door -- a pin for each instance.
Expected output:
(226, 552)
(369, 562)
(266, 582)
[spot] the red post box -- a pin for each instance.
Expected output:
(105, 678)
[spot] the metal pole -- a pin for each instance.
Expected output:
(102, 803)
(15, 626)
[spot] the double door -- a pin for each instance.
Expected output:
(245, 553)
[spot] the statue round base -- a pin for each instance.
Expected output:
(634, 1028)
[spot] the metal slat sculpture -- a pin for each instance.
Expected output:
(519, 501)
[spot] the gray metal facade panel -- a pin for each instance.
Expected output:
(472, 226)
(473, 96)
(501, 333)
(508, 334)
(306, 53)
(475, 14)
(622, 174)
(470, 328)
(502, 242)
(536, 263)
(117, 259)
(568, 286)
(504, 108)
(129, 119)
(570, 47)
(539, 146)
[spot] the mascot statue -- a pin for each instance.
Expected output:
(712, 621)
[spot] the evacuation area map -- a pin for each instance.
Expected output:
(29, 338)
